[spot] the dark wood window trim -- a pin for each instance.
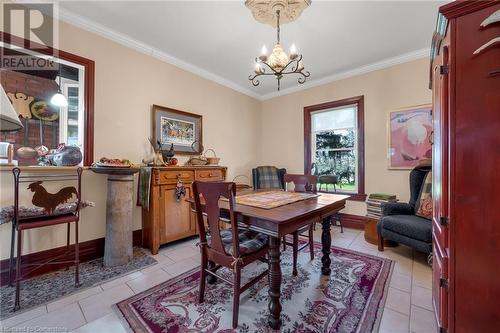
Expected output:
(89, 65)
(308, 110)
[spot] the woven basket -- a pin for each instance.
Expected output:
(197, 160)
(241, 186)
(212, 160)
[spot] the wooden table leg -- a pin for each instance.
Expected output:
(274, 283)
(326, 241)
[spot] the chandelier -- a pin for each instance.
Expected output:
(278, 63)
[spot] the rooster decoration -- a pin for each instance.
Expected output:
(49, 201)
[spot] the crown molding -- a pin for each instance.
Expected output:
(125, 40)
(407, 57)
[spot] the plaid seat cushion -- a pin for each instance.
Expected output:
(268, 177)
(250, 241)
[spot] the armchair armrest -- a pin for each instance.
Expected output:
(397, 208)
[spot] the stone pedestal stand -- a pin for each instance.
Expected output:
(119, 205)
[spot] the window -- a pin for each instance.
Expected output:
(30, 90)
(334, 145)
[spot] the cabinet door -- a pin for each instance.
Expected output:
(440, 102)
(476, 176)
(175, 216)
(440, 285)
(440, 146)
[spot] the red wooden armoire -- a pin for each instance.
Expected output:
(465, 79)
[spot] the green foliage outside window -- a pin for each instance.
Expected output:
(335, 154)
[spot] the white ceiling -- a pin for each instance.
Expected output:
(220, 39)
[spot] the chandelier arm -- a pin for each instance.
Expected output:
(294, 68)
(265, 63)
(303, 78)
(306, 73)
(254, 80)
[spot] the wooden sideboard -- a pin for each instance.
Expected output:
(167, 219)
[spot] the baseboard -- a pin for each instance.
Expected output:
(353, 221)
(89, 250)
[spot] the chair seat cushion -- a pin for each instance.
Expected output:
(250, 241)
(7, 213)
(409, 225)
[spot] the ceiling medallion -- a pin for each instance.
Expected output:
(278, 63)
(264, 11)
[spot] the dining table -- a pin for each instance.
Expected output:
(283, 220)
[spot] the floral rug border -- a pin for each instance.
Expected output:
(372, 315)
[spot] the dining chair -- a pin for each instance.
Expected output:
(57, 211)
(233, 248)
(302, 183)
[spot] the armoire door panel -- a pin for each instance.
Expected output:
(440, 282)
(440, 146)
(477, 163)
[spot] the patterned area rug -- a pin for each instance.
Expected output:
(350, 300)
(48, 287)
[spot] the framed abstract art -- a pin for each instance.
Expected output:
(180, 128)
(409, 136)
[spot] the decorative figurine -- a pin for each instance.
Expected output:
(67, 155)
(49, 201)
(180, 190)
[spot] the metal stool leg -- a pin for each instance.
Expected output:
(77, 257)
(18, 270)
(11, 260)
(67, 242)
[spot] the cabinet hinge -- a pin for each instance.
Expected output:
(444, 69)
(443, 283)
(443, 221)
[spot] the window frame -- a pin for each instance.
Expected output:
(360, 195)
(88, 98)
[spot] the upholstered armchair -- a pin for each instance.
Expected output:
(268, 177)
(399, 222)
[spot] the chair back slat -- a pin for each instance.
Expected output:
(63, 177)
(302, 183)
(211, 193)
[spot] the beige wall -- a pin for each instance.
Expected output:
(127, 83)
(242, 130)
(282, 122)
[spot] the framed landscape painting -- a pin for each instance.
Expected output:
(410, 136)
(180, 128)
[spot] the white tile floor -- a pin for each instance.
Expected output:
(408, 306)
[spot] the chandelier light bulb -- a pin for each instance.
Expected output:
(258, 68)
(293, 51)
(263, 54)
(263, 51)
(300, 65)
